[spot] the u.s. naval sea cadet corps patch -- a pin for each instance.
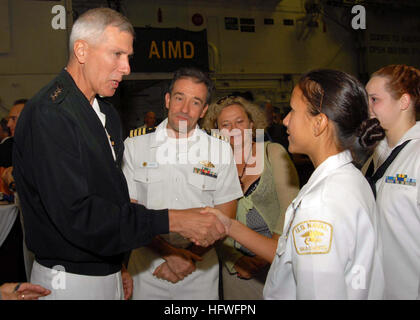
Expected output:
(312, 237)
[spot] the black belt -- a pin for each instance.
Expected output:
(82, 268)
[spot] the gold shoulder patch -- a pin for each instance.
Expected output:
(217, 135)
(141, 131)
(312, 237)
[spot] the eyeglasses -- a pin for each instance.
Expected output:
(223, 99)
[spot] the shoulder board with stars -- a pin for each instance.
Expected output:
(141, 131)
(57, 93)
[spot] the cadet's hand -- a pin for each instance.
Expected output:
(182, 262)
(223, 219)
(164, 272)
(25, 291)
(201, 228)
(7, 176)
(127, 281)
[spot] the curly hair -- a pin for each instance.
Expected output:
(253, 111)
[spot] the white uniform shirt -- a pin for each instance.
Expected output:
(2, 141)
(160, 170)
(398, 201)
(102, 117)
(164, 172)
(333, 248)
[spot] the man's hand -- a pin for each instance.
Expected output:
(201, 228)
(164, 272)
(247, 267)
(7, 176)
(182, 262)
(127, 281)
(24, 291)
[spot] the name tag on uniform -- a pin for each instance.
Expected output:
(401, 178)
(150, 164)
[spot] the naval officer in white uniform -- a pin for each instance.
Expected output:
(394, 97)
(330, 246)
(176, 168)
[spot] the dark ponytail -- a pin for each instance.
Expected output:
(368, 134)
(343, 99)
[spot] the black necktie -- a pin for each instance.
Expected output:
(381, 170)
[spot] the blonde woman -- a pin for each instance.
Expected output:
(269, 182)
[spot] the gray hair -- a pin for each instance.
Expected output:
(91, 24)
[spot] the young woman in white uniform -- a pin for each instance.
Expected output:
(330, 248)
(394, 97)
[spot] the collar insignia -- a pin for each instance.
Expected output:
(56, 93)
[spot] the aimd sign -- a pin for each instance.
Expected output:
(167, 49)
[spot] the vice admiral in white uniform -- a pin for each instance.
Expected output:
(394, 97)
(180, 166)
(330, 246)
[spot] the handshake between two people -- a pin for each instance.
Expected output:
(202, 226)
